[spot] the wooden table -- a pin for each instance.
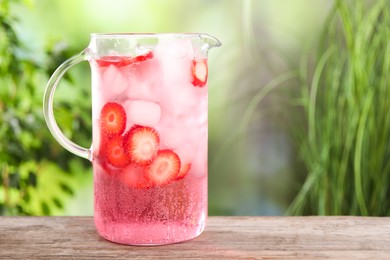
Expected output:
(224, 238)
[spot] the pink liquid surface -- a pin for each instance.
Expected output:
(156, 89)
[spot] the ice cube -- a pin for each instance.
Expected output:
(171, 137)
(175, 60)
(177, 93)
(178, 99)
(142, 112)
(174, 48)
(140, 90)
(199, 162)
(115, 82)
(179, 48)
(186, 152)
(142, 78)
(127, 107)
(188, 148)
(191, 114)
(96, 137)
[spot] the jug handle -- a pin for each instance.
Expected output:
(48, 107)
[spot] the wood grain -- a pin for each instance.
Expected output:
(224, 238)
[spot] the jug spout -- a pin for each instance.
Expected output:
(208, 42)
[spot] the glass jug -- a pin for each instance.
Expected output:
(149, 148)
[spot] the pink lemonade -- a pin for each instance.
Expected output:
(150, 144)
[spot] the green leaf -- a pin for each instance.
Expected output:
(45, 208)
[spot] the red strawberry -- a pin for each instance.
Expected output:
(199, 73)
(112, 119)
(164, 168)
(121, 61)
(115, 153)
(144, 57)
(185, 168)
(141, 144)
(118, 61)
(134, 177)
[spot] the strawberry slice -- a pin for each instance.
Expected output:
(121, 61)
(164, 168)
(141, 144)
(144, 57)
(185, 168)
(134, 177)
(118, 61)
(112, 119)
(115, 153)
(199, 73)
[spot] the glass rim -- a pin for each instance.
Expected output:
(203, 37)
(146, 34)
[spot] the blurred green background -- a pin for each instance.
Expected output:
(277, 143)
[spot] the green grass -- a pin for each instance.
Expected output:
(338, 114)
(345, 143)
